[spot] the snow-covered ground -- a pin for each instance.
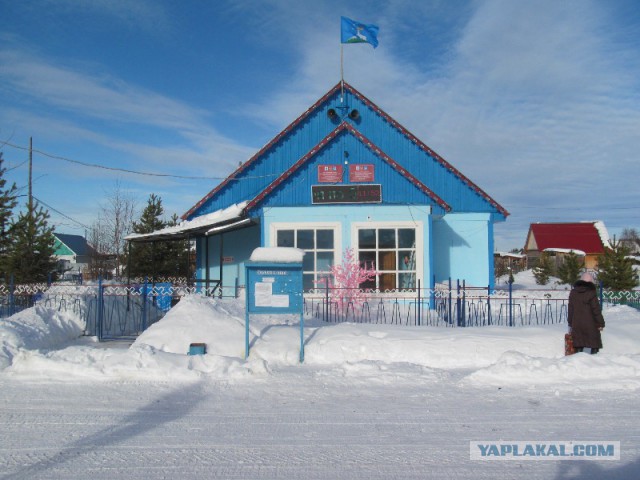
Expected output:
(370, 401)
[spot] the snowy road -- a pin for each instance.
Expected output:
(303, 423)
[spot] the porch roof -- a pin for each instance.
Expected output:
(228, 218)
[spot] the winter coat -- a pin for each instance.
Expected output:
(585, 315)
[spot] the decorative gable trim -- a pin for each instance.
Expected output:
(425, 148)
(323, 143)
(388, 119)
(260, 152)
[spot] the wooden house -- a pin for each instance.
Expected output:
(586, 239)
(344, 174)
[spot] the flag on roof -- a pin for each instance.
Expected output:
(356, 32)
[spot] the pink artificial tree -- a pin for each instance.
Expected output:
(346, 280)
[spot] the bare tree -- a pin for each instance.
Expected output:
(630, 238)
(116, 218)
(101, 262)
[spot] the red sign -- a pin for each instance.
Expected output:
(330, 173)
(361, 172)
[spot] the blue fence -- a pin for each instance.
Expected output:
(459, 306)
(124, 311)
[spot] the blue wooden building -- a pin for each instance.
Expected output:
(345, 174)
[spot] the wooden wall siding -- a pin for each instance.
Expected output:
(296, 189)
(449, 188)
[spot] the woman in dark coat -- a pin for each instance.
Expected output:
(585, 316)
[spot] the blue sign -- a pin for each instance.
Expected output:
(274, 288)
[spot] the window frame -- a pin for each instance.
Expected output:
(337, 238)
(418, 228)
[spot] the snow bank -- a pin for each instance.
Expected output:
(36, 328)
(523, 357)
(197, 319)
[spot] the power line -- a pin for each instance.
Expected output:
(115, 169)
(60, 213)
(125, 170)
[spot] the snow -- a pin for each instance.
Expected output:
(277, 255)
(369, 401)
(603, 232)
(209, 220)
(580, 253)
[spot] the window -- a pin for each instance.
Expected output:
(391, 251)
(319, 245)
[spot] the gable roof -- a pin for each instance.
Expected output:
(241, 173)
(588, 237)
(344, 126)
(76, 243)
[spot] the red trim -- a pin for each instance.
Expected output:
(323, 143)
(371, 146)
(424, 147)
(389, 120)
(260, 152)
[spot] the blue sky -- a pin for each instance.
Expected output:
(536, 102)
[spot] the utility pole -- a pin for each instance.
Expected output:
(30, 174)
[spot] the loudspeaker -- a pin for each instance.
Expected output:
(331, 113)
(354, 114)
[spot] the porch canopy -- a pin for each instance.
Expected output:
(219, 221)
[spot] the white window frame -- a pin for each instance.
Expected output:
(335, 226)
(419, 255)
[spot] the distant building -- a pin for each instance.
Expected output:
(585, 239)
(73, 254)
(508, 262)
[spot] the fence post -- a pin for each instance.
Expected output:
(432, 296)
(12, 287)
(450, 303)
(100, 309)
(144, 305)
(510, 304)
(458, 310)
(488, 304)
(326, 312)
(464, 303)
(601, 294)
(419, 306)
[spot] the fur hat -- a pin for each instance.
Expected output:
(587, 277)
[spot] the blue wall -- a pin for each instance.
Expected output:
(238, 244)
(461, 244)
(348, 216)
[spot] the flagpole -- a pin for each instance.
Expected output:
(341, 74)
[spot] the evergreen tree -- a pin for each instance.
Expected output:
(146, 256)
(544, 269)
(31, 256)
(157, 259)
(177, 255)
(615, 270)
(569, 271)
(7, 204)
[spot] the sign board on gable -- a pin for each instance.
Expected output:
(321, 194)
(361, 172)
(330, 173)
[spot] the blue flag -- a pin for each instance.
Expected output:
(356, 32)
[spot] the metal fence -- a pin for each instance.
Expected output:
(458, 306)
(125, 310)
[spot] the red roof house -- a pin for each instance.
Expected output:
(588, 239)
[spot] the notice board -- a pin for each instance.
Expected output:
(274, 288)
